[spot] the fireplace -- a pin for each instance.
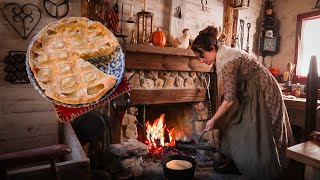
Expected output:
(172, 85)
(181, 125)
(183, 122)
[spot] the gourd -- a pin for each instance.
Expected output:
(159, 38)
(274, 71)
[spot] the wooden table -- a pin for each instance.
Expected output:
(297, 103)
(307, 153)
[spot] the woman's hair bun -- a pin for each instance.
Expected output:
(211, 31)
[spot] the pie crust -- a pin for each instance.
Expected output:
(57, 57)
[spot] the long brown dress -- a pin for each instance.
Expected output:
(258, 129)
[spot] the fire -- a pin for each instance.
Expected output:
(156, 136)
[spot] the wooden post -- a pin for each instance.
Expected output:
(95, 10)
(228, 21)
(311, 98)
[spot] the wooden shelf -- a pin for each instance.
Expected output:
(147, 57)
(144, 48)
(164, 96)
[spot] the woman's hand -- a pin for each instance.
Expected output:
(223, 108)
(209, 125)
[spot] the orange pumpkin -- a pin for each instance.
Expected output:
(274, 71)
(159, 38)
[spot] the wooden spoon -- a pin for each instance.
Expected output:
(290, 67)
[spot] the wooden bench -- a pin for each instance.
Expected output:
(75, 164)
(307, 153)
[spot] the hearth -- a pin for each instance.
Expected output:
(153, 132)
(172, 85)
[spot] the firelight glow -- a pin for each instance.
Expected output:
(156, 136)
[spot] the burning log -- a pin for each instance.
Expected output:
(156, 136)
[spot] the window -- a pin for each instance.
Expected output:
(307, 43)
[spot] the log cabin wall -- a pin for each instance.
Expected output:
(27, 120)
(192, 17)
(287, 15)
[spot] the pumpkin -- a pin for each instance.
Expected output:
(274, 71)
(159, 38)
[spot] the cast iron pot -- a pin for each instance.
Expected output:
(178, 174)
(89, 126)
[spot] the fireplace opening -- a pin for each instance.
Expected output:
(180, 126)
(178, 117)
(163, 127)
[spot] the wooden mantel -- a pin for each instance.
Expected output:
(145, 48)
(148, 57)
(141, 56)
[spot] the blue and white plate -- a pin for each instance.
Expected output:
(113, 64)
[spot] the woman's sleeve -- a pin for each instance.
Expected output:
(229, 76)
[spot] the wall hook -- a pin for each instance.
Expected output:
(24, 17)
(178, 13)
(57, 14)
(204, 4)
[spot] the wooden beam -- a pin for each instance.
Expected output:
(168, 63)
(164, 96)
(95, 10)
(143, 48)
(141, 56)
(228, 21)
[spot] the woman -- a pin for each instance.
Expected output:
(257, 130)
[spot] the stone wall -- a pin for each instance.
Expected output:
(27, 120)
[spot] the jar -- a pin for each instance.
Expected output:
(296, 91)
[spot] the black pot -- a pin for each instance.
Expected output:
(185, 174)
(89, 126)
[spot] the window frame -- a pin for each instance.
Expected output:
(300, 18)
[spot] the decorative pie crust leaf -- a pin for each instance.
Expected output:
(58, 56)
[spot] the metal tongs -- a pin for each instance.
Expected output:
(202, 135)
(207, 81)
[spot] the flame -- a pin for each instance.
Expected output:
(156, 136)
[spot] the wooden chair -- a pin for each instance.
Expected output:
(308, 152)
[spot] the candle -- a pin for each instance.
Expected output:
(145, 5)
(131, 11)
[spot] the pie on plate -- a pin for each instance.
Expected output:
(70, 61)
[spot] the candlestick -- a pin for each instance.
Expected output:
(145, 5)
(131, 11)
